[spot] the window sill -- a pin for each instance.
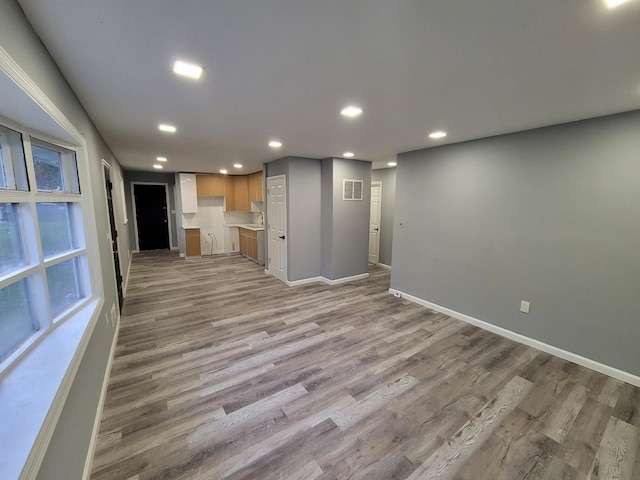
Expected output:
(33, 392)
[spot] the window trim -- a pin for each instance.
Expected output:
(35, 363)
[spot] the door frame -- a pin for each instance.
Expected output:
(286, 225)
(378, 183)
(135, 213)
(106, 167)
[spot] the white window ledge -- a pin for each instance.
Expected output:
(33, 393)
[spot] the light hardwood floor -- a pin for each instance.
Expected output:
(222, 372)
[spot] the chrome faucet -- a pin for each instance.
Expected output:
(261, 218)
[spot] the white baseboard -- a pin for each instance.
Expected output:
(304, 281)
(352, 278)
(103, 394)
(384, 265)
(337, 281)
(537, 344)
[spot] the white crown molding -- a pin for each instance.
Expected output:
(9, 66)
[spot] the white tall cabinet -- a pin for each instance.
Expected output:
(188, 192)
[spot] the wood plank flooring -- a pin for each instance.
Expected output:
(222, 372)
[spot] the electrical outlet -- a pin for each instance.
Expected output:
(397, 294)
(524, 306)
(107, 319)
(113, 315)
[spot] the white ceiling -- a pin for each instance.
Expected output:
(284, 68)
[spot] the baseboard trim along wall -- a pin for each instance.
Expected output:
(337, 281)
(537, 344)
(103, 395)
(384, 265)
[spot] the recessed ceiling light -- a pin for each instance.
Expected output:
(223, 171)
(348, 154)
(161, 159)
(157, 167)
(237, 165)
(392, 164)
(438, 134)
(163, 127)
(351, 111)
(614, 3)
(275, 144)
(186, 69)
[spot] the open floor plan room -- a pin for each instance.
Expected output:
(223, 372)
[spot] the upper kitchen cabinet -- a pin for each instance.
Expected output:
(256, 193)
(188, 194)
(241, 185)
(229, 194)
(238, 190)
(210, 185)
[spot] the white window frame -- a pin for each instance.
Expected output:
(37, 263)
(52, 357)
(6, 159)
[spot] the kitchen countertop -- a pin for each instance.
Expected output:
(249, 226)
(188, 227)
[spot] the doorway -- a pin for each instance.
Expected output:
(152, 220)
(374, 222)
(277, 227)
(114, 232)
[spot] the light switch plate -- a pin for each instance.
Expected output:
(524, 306)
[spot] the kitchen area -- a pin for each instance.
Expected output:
(221, 214)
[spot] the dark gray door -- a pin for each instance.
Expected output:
(151, 217)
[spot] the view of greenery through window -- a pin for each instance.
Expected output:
(48, 166)
(11, 254)
(53, 263)
(17, 319)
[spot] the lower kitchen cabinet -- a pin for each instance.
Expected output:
(250, 244)
(192, 241)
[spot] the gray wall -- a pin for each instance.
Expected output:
(388, 178)
(303, 200)
(327, 236)
(326, 218)
(68, 449)
(347, 253)
(303, 214)
(150, 177)
(548, 215)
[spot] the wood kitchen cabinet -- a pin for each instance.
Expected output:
(192, 242)
(241, 185)
(249, 244)
(210, 185)
(255, 187)
(238, 190)
(229, 194)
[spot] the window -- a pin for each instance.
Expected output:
(13, 172)
(11, 251)
(55, 168)
(44, 276)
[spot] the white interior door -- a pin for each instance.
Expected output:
(277, 226)
(374, 222)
